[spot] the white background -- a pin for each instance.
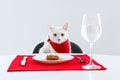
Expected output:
(24, 23)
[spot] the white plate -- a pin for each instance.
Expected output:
(42, 58)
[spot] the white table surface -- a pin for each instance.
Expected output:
(111, 62)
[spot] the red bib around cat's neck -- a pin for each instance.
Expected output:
(60, 48)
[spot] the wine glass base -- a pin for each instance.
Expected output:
(91, 66)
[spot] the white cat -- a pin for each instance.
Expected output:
(57, 41)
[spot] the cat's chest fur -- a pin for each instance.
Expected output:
(51, 47)
(48, 48)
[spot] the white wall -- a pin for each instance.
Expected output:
(24, 23)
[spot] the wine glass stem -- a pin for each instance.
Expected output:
(91, 52)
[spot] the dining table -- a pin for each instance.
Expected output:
(111, 62)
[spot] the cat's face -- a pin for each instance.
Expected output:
(59, 34)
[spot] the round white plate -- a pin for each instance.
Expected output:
(42, 58)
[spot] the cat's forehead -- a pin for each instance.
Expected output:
(59, 29)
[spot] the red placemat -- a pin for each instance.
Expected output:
(32, 65)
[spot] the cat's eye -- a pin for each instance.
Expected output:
(62, 34)
(55, 34)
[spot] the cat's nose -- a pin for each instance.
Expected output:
(58, 40)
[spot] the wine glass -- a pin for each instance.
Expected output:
(91, 32)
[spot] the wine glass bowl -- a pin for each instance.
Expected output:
(91, 27)
(91, 31)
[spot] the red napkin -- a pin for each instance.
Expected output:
(32, 65)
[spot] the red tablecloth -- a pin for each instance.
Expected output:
(32, 65)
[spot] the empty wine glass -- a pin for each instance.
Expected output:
(91, 32)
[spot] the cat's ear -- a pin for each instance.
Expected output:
(65, 26)
(51, 28)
